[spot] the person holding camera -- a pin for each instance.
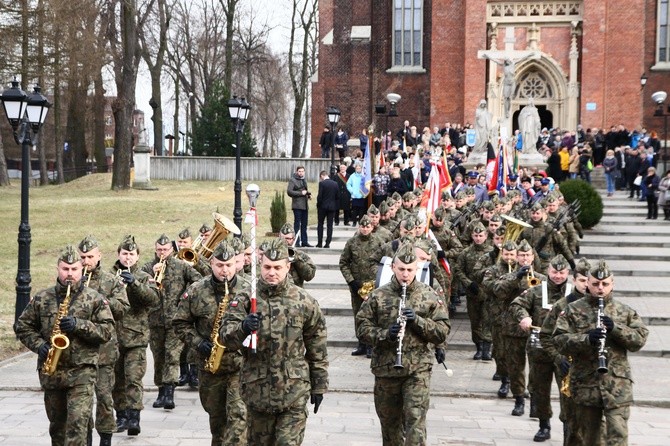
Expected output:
(297, 190)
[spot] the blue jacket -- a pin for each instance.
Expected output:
(354, 184)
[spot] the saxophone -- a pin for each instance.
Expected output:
(565, 382)
(213, 363)
(59, 341)
(160, 274)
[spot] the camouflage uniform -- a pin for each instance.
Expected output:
(219, 392)
(597, 395)
(291, 360)
(555, 244)
(68, 393)
(567, 230)
(402, 418)
(302, 269)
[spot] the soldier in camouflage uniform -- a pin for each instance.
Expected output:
(239, 247)
(567, 415)
(164, 344)
(530, 310)
(133, 335)
(185, 241)
(567, 227)
(358, 266)
(377, 230)
(88, 323)
(545, 239)
(290, 365)
(194, 322)
(303, 268)
(385, 220)
(600, 395)
(447, 239)
(402, 394)
(114, 292)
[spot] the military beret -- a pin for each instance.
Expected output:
(87, 244)
(495, 218)
(460, 195)
(469, 191)
(439, 214)
(286, 229)
(264, 245)
(383, 208)
(524, 246)
(276, 250)
(601, 271)
(365, 221)
(509, 245)
(513, 193)
(163, 240)
(537, 207)
(473, 174)
(417, 192)
(408, 223)
(446, 195)
(224, 251)
(236, 244)
(373, 210)
(559, 263)
(425, 245)
(185, 233)
(405, 253)
(69, 255)
(488, 205)
(128, 243)
(396, 196)
(582, 267)
(551, 198)
(500, 231)
(545, 181)
(478, 228)
(205, 228)
(408, 196)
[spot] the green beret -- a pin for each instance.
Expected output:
(365, 221)
(559, 263)
(224, 251)
(524, 246)
(286, 229)
(372, 210)
(478, 228)
(551, 198)
(205, 228)
(185, 233)
(408, 196)
(276, 250)
(236, 244)
(69, 255)
(509, 245)
(424, 245)
(88, 244)
(383, 207)
(405, 253)
(582, 267)
(439, 214)
(163, 240)
(601, 271)
(537, 207)
(417, 192)
(128, 243)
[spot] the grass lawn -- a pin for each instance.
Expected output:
(66, 214)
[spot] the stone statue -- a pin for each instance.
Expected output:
(508, 78)
(483, 127)
(529, 127)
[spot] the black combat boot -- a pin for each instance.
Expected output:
(478, 354)
(160, 401)
(193, 380)
(496, 376)
(486, 351)
(134, 422)
(519, 404)
(105, 439)
(169, 397)
(360, 350)
(504, 387)
(544, 433)
(183, 374)
(121, 420)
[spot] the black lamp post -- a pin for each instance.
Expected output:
(26, 114)
(239, 111)
(333, 115)
(659, 98)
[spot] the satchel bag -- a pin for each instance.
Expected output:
(638, 180)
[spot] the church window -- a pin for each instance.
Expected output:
(663, 42)
(407, 33)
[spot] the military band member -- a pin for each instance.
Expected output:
(111, 288)
(377, 230)
(133, 335)
(290, 365)
(201, 307)
(303, 268)
(578, 335)
(402, 394)
(164, 344)
(185, 241)
(547, 241)
(87, 323)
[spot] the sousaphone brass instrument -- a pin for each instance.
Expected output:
(222, 227)
(513, 228)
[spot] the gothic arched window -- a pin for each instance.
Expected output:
(533, 84)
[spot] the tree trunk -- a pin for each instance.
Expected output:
(4, 175)
(99, 152)
(58, 134)
(175, 119)
(44, 173)
(157, 107)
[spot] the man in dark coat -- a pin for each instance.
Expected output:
(327, 204)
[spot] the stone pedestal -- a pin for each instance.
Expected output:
(525, 160)
(141, 159)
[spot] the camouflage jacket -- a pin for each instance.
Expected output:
(384, 234)
(202, 266)
(555, 244)
(430, 328)
(529, 304)
(133, 329)
(567, 230)
(357, 261)
(196, 314)
(549, 325)
(390, 225)
(95, 325)
(111, 288)
(449, 243)
(178, 276)
(465, 265)
(292, 357)
(302, 269)
(590, 388)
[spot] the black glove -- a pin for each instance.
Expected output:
(410, 315)
(393, 331)
(577, 250)
(251, 323)
(608, 323)
(205, 347)
(493, 254)
(473, 288)
(522, 272)
(440, 355)
(43, 351)
(572, 264)
(355, 285)
(595, 335)
(316, 399)
(441, 254)
(68, 324)
(564, 366)
(127, 277)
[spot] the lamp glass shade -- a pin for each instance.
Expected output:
(234, 108)
(38, 108)
(333, 115)
(14, 101)
(244, 110)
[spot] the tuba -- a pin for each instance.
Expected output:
(513, 228)
(59, 341)
(222, 227)
(214, 361)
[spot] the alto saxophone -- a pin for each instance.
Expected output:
(565, 382)
(214, 361)
(59, 341)
(160, 274)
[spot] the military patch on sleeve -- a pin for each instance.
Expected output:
(440, 302)
(562, 313)
(105, 301)
(184, 296)
(233, 303)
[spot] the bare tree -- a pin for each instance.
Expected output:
(229, 7)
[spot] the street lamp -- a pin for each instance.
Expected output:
(659, 98)
(333, 115)
(239, 112)
(29, 112)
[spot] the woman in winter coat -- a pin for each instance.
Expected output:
(664, 195)
(652, 182)
(610, 165)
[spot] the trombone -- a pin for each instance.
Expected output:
(531, 279)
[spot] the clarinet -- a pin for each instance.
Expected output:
(602, 358)
(402, 321)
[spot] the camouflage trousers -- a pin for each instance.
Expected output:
(540, 378)
(356, 303)
(401, 405)
(569, 418)
(613, 432)
(129, 372)
(497, 352)
(514, 350)
(480, 324)
(68, 405)
(165, 347)
(104, 403)
(286, 428)
(220, 397)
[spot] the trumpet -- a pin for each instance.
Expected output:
(88, 275)
(531, 279)
(160, 274)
